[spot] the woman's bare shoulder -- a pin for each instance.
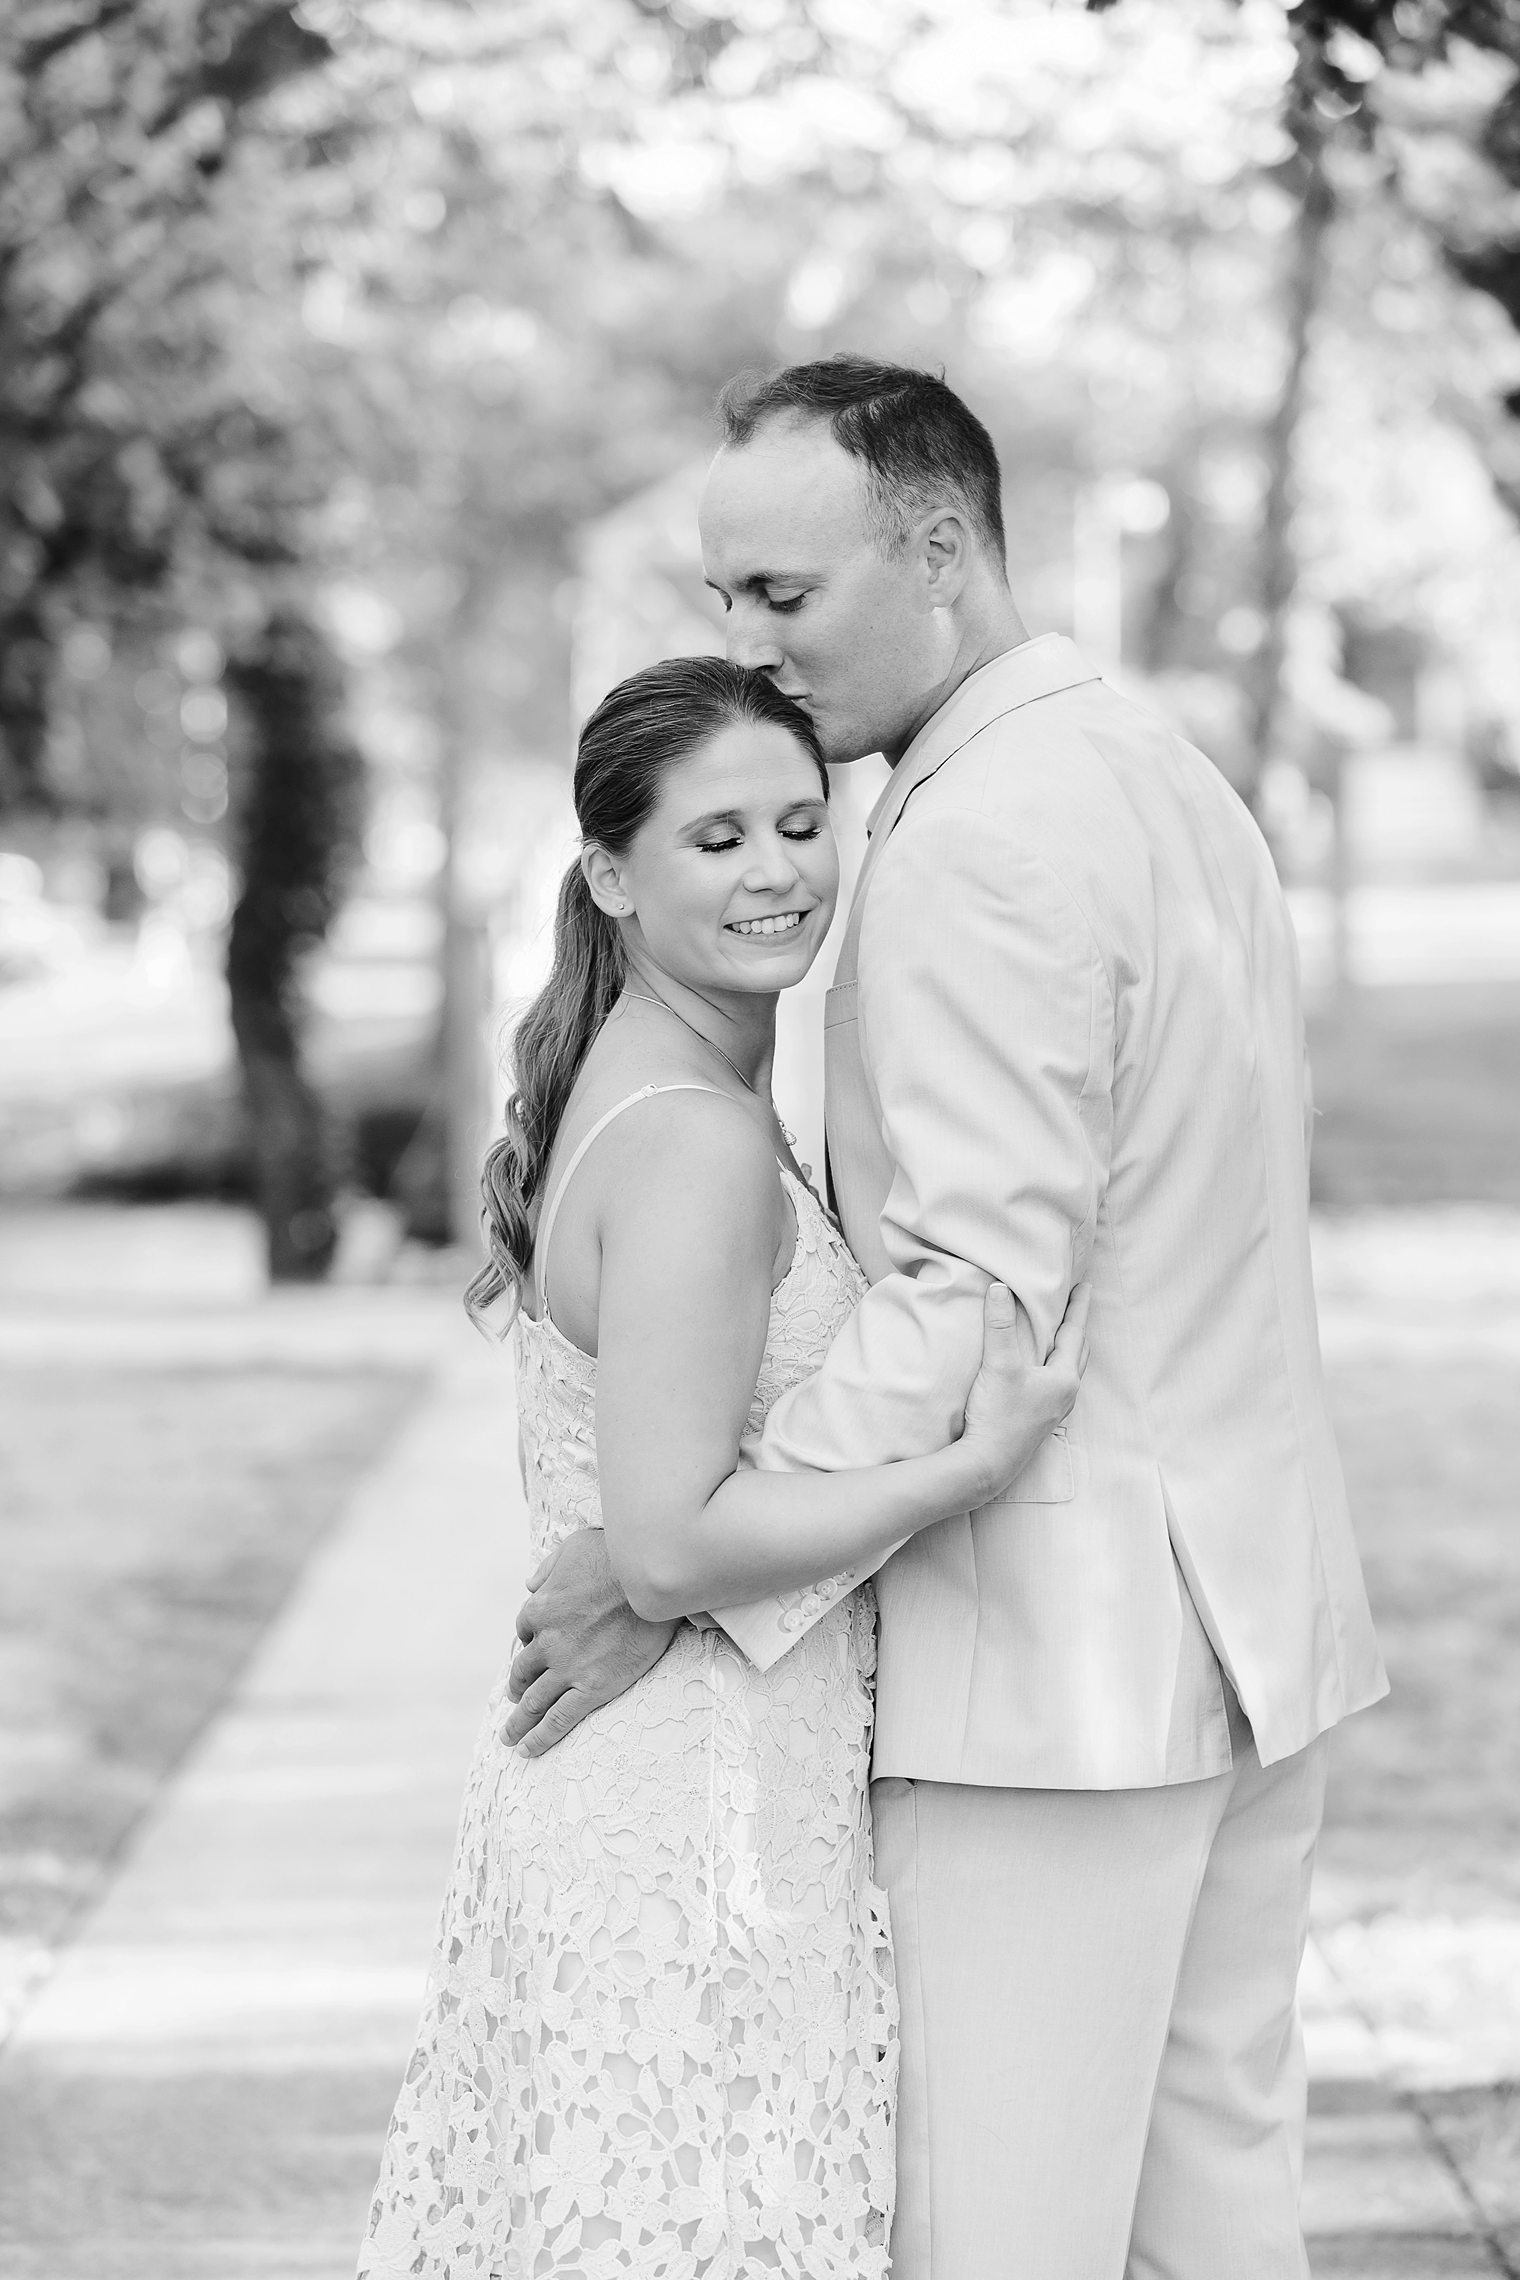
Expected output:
(691, 1139)
(673, 1142)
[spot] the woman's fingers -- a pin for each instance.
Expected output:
(1057, 1383)
(1074, 1320)
(1071, 1338)
(1068, 1355)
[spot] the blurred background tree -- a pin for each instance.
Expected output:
(157, 474)
(297, 832)
(1416, 102)
(371, 313)
(134, 457)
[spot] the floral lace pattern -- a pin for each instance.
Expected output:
(660, 2037)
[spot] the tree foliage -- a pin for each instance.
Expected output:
(138, 446)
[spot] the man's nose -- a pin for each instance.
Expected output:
(753, 643)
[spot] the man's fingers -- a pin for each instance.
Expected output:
(557, 1721)
(527, 1621)
(544, 1569)
(529, 1663)
(535, 1700)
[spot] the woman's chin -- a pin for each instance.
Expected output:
(775, 966)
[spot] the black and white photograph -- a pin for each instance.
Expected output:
(760, 1140)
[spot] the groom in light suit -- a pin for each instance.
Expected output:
(1064, 1043)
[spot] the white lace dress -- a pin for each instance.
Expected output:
(661, 2035)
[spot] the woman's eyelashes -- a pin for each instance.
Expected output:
(799, 832)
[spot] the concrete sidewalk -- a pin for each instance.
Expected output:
(201, 2087)
(199, 2090)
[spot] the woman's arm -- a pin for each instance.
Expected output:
(687, 1253)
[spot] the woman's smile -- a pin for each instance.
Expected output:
(776, 922)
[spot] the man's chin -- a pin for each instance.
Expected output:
(842, 751)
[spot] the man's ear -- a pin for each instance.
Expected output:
(946, 543)
(601, 875)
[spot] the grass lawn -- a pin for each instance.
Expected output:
(151, 1522)
(1419, 1096)
(1424, 1811)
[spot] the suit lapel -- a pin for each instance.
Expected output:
(1037, 668)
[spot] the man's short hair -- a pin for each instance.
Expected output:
(922, 447)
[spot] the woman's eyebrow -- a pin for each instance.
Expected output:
(718, 815)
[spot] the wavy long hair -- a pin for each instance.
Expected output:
(643, 728)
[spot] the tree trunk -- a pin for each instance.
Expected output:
(438, 1180)
(1277, 562)
(1165, 634)
(26, 666)
(291, 1160)
(297, 828)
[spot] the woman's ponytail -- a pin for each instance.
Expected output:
(552, 1040)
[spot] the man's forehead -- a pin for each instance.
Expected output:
(791, 490)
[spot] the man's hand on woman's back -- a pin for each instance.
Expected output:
(582, 1644)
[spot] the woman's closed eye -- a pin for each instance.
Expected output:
(800, 832)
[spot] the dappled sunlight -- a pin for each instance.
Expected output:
(358, 362)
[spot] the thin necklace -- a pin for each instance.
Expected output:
(645, 998)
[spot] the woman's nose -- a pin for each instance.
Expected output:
(771, 868)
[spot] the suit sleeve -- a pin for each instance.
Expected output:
(987, 1033)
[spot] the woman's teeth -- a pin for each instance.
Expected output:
(783, 924)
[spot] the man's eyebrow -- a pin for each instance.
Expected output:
(758, 580)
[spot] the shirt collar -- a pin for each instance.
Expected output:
(1037, 668)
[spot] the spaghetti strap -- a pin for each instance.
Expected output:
(551, 1209)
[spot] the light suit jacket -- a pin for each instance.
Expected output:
(1065, 1042)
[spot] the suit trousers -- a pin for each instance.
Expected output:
(1102, 2067)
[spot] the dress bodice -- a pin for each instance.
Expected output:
(556, 1382)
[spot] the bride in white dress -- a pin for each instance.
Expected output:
(660, 2033)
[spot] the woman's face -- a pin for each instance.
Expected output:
(732, 880)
